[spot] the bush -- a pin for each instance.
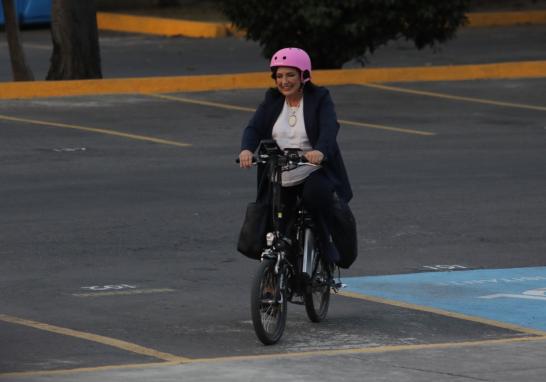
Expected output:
(334, 32)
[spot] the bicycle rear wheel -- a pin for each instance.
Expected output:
(268, 303)
(317, 292)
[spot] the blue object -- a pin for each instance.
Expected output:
(516, 296)
(31, 12)
(1, 13)
(34, 11)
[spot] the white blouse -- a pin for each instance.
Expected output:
(295, 136)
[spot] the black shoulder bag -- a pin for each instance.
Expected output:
(257, 222)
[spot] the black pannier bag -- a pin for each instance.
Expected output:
(255, 226)
(344, 233)
(258, 216)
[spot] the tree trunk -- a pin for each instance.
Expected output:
(21, 72)
(76, 53)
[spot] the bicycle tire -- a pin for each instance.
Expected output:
(317, 292)
(268, 304)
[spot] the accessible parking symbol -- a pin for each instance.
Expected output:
(514, 296)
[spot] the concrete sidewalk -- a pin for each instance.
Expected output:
(517, 361)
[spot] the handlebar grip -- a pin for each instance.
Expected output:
(303, 159)
(254, 160)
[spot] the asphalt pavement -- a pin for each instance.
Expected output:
(120, 216)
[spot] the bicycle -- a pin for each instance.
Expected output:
(292, 268)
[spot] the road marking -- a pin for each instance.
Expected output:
(69, 149)
(441, 312)
(369, 350)
(273, 356)
(508, 295)
(201, 102)
(444, 267)
(120, 344)
(457, 294)
(387, 128)
(101, 288)
(532, 294)
(95, 130)
(454, 97)
(124, 292)
(241, 108)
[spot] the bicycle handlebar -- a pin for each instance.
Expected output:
(294, 159)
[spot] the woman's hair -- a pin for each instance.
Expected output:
(275, 68)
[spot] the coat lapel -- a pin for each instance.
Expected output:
(273, 114)
(308, 112)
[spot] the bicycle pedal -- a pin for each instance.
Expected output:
(336, 286)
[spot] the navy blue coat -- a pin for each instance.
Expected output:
(321, 126)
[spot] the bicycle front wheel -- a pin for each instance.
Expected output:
(268, 303)
(317, 294)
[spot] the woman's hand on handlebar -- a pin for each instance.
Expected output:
(314, 156)
(245, 159)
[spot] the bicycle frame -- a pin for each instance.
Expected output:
(278, 244)
(304, 278)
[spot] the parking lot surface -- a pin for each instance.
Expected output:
(120, 216)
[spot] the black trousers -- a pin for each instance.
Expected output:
(317, 193)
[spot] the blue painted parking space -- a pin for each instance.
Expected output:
(515, 296)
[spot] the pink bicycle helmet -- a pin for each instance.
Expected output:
(295, 58)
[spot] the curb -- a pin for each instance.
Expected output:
(495, 19)
(160, 26)
(174, 27)
(37, 89)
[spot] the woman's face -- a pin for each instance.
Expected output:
(288, 81)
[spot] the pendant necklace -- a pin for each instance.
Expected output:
(292, 110)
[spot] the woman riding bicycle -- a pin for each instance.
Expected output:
(299, 114)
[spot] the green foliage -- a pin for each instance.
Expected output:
(336, 31)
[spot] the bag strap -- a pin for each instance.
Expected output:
(264, 186)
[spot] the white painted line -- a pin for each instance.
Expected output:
(124, 292)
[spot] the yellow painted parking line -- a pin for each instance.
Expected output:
(240, 108)
(94, 130)
(201, 102)
(421, 308)
(124, 345)
(387, 128)
(370, 350)
(456, 98)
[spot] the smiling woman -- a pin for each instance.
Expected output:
(300, 115)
